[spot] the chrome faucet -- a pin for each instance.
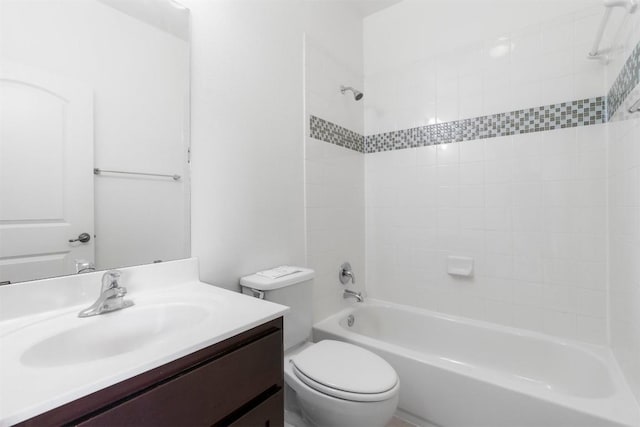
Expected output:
(345, 274)
(111, 296)
(353, 294)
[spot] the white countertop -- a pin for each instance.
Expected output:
(28, 389)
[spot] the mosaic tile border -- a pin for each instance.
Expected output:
(627, 79)
(335, 134)
(582, 112)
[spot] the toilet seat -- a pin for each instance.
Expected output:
(345, 371)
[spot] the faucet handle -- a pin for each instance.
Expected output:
(346, 274)
(110, 279)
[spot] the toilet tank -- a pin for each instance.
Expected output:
(290, 286)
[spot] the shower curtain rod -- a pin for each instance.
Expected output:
(629, 5)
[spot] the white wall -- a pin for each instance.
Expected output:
(247, 137)
(249, 129)
(624, 217)
(530, 209)
(334, 176)
(137, 220)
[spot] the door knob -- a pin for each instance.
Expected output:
(82, 238)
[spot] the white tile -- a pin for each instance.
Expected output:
(448, 153)
(527, 145)
(426, 156)
(528, 269)
(471, 218)
(592, 330)
(499, 242)
(448, 197)
(497, 195)
(528, 169)
(528, 317)
(526, 219)
(448, 174)
(500, 266)
(561, 142)
(557, 34)
(529, 294)
(472, 173)
(471, 151)
(498, 149)
(471, 196)
(526, 194)
(448, 218)
(497, 218)
(530, 244)
(498, 172)
(499, 312)
(560, 323)
(590, 302)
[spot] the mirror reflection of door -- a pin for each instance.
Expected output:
(46, 173)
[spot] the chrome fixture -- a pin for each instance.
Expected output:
(353, 294)
(84, 266)
(635, 107)
(345, 274)
(351, 320)
(82, 238)
(111, 296)
(357, 95)
(629, 5)
(98, 171)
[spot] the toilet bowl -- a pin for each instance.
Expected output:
(333, 384)
(339, 384)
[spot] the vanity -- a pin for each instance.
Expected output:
(186, 353)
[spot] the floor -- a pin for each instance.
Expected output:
(397, 422)
(294, 420)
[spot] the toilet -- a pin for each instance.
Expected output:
(333, 383)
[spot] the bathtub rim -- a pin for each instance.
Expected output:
(620, 407)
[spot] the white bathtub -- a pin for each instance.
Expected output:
(461, 372)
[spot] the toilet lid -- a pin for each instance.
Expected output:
(339, 366)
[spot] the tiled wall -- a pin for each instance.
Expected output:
(335, 134)
(518, 68)
(583, 112)
(530, 208)
(523, 192)
(335, 226)
(624, 246)
(624, 205)
(334, 171)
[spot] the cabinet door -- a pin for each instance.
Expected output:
(207, 394)
(269, 413)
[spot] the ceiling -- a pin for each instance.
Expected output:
(368, 7)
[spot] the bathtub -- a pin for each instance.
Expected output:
(460, 372)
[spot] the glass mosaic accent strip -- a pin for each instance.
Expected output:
(628, 78)
(582, 112)
(335, 134)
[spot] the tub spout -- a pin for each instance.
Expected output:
(353, 294)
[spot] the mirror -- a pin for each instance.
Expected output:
(94, 135)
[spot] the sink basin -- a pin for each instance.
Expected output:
(113, 334)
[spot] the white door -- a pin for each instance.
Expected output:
(46, 173)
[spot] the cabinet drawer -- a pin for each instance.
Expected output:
(269, 413)
(206, 394)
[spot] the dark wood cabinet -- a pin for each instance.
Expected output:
(236, 382)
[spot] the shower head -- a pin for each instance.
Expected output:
(357, 95)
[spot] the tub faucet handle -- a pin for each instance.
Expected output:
(345, 274)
